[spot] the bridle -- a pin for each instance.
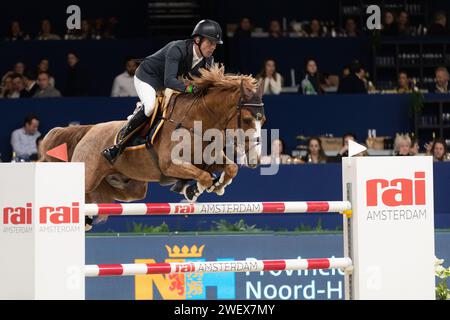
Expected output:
(255, 106)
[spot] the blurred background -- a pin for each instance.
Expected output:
(328, 78)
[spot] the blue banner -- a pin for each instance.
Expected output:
(283, 285)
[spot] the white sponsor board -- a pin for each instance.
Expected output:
(41, 231)
(390, 236)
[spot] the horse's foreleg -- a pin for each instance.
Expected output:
(230, 170)
(186, 170)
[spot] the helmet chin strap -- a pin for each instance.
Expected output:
(199, 46)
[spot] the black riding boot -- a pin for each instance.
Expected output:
(135, 123)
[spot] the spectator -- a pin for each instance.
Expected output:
(439, 25)
(23, 140)
(275, 29)
(19, 68)
(46, 31)
(438, 149)
(310, 83)
(45, 89)
(85, 30)
(244, 30)
(110, 31)
(345, 71)
(44, 66)
(350, 29)
(441, 81)
(403, 24)
(403, 83)
(415, 149)
(18, 85)
(389, 25)
(97, 31)
(297, 29)
(77, 79)
(315, 153)
(7, 86)
(123, 85)
(353, 83)
(276, 155)
(16, 33)
(364, 76)
(315, 29)
(328, 82)
(402, 145)
(80, 34)
(273, 81)
(36, 156)
(344, 150)
(30, 85)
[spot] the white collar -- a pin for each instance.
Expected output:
(196, 57)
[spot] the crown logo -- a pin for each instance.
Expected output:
(185, 251)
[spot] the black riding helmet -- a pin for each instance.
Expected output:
(209, 29)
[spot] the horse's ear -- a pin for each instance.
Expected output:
(260, 90)
(242, 88)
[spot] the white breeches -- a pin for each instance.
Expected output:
(146, 94)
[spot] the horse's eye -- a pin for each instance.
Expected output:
(248, 121)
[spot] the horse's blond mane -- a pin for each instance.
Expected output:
(215, 77)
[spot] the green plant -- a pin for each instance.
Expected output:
(240, 226)
(141, 228)
(317, 228)
(442, 290)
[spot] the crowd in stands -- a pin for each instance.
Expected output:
(25, 142)
(38, 81)
(95, 29)
(27, 82)
(404, 145)
(393, 24)
(354, 80)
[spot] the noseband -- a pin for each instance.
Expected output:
(256, 108)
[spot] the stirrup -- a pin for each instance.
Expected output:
(138, 105)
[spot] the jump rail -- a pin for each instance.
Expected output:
(98, 270)
(134, 209)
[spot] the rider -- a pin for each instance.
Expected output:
(162, 70)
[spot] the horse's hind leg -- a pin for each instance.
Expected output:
(99, 195)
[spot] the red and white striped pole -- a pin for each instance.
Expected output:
(98, 270)
(132, 209)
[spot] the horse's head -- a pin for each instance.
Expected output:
(250, 118)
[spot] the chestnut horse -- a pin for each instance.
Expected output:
(223, 102)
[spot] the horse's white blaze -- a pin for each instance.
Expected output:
(258, 138)
(255, 147)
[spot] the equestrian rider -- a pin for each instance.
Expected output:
(162, 70)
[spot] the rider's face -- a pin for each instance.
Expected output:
(207, 46)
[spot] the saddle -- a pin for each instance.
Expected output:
(146, 136)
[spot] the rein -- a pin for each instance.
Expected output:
(256, 108)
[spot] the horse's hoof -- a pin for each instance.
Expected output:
(88, 221)
(179, 186)
(192, 192)
(216, 182)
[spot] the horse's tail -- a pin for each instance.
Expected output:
(57, 136)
